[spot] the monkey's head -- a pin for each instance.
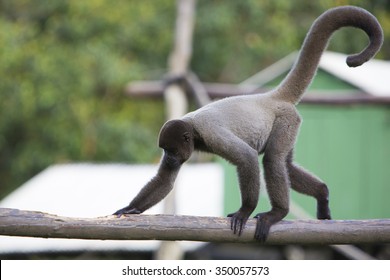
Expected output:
(177, 140)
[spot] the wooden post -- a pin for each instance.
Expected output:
(175, 97)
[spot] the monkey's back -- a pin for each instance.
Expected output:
(248, 117)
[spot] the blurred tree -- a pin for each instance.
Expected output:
(235, 39)
(63, 66)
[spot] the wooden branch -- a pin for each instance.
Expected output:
(216, 90)
(15, 222)
(359, 98)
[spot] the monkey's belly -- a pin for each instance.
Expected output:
(255, 136)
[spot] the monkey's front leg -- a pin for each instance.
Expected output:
(249, 180)
(156, 189)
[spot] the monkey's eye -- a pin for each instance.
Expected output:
(186, 137)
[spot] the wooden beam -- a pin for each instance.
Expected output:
(357, 99)
(216, 90)
(14, 222)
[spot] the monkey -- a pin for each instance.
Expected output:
(241, 128)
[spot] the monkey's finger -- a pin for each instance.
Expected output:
(234, 225)
(232, 221)
(120, 212)
(242, 224)
(238, 228)
(127, 210)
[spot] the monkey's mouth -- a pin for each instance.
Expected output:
(172, 161)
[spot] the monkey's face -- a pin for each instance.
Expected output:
(177, 140)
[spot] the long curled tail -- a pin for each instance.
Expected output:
(299, 78)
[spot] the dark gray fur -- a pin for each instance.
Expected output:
(240, 128)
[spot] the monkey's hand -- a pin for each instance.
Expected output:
(238, 221)
(127, 210)
(263, 226)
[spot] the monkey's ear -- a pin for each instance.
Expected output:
(187, 136)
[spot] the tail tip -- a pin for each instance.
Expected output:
(356, 60)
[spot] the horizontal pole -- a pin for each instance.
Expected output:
(154, 89)
(14, 222)
(214, 90)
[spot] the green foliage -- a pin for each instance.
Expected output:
(64, 64)
(235, 39)
(63, 67)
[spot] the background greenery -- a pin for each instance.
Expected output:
(64, 65)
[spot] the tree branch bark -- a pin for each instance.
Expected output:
(14, 222)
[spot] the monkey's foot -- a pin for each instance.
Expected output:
(263, 226)
(324, 216)
(238, 222)
(127, 210)
(323, 213)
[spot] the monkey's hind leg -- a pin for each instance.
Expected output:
(304, 182)
(275, 172)
(280, 142)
